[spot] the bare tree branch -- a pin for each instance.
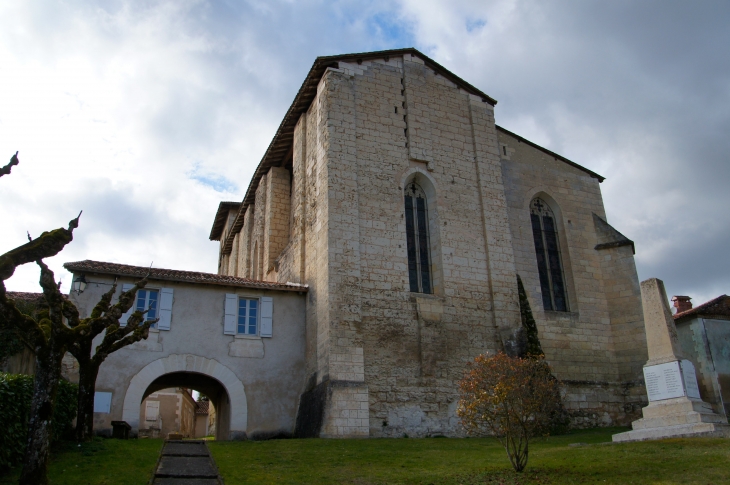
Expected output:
(7, 168)
(44, 246)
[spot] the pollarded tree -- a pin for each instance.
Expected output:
(511, 398)
(104, 318)
(52, 333)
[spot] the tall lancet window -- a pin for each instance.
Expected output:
(419, 259)
(547, 250)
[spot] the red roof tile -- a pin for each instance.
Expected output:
(88, 266)
(202, 407)
(24, 296)
(720, 306)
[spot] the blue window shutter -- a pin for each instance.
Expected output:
(267, 316)
(165, 309)
(231, 314)
(125, 317)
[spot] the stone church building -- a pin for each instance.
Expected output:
(376, 252)
(389, 190)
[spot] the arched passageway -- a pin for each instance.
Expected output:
(207, 376)
(206, 385)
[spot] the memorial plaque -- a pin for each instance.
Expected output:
(664, 381)
(690, 379)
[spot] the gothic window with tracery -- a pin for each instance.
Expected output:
(419, 258)
(547, 250)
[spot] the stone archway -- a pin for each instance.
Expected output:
(195, 364)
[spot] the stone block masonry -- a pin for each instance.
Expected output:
(383, 360)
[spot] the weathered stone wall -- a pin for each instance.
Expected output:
(276, 231)
(621, 284)
(258, 232)
(702, 342)
(373, 127)
(600, 341)
(244, 246)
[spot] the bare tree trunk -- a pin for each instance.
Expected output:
(40, 425)
(88, 373)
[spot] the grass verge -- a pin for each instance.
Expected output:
(100, 462)
(474, 461)
(409, 461)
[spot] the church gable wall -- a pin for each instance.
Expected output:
(412, 356)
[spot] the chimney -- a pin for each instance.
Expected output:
(682, 303)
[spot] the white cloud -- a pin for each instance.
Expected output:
(147, 114)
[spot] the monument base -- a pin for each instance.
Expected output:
(676, 418)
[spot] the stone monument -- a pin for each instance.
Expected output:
(675, 407)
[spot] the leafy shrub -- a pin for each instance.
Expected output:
(511, 398)
(16, 392)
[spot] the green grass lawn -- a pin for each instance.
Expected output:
(101, 462)
(410, 461)
(472, 461)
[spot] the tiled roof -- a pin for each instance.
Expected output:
(88, 266)
(24, 296)
(720, 306)
(202, 407)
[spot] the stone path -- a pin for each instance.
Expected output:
(186, 463)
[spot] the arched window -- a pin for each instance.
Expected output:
(547, 250)
(419, 258)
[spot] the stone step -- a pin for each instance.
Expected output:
(709, 430)
(678, 405)
(677, 420)
(186, 462)
(186, 466)
(185, 448)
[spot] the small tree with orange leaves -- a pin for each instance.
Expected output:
(511, 398)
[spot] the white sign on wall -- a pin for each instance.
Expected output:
(670, 380)
(102, 402)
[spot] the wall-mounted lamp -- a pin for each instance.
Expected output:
(79, 284)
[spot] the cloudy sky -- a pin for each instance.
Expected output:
(147, 114)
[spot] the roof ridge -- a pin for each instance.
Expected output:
(558, 156)
(120, 269)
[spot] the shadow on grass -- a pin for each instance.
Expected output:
(99, 462)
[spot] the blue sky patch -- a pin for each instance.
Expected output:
(219, 183)
(473, 25)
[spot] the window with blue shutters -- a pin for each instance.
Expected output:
(417, 240)
(248, 316)
(148, 299)
(158, 301)
(547, 251)
(248, 310)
